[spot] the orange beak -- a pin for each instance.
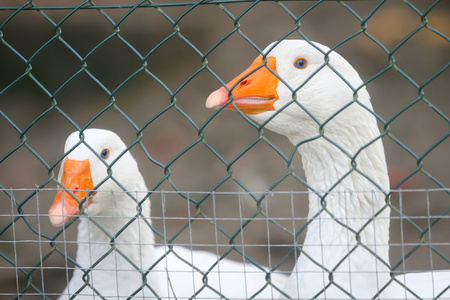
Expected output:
(254, 93)
(77, 178)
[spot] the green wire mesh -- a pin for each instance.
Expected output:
(144, 69)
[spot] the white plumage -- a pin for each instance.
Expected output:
(116, 253)
(317, 99)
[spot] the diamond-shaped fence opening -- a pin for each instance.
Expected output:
(221, 181)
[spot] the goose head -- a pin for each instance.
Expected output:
(96, 159)
(297, 82)
(307, 92)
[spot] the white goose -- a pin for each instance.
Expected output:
(117, 267)
(300, 96)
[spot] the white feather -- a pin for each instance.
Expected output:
(336, 265)
(114, 268)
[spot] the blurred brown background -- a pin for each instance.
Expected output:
(93, 56)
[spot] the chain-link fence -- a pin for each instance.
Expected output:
(217, 180)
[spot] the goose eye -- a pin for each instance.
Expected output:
(105, 153)
(300, 63)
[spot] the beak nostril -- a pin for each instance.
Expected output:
(244, 82)
(75, 190)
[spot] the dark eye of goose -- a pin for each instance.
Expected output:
(301, 63)
(105, 153)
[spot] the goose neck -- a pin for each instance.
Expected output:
(119, 224)
(347, 202)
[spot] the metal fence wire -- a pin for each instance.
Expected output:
(232, 209)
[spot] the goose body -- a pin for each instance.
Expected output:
(325, 110)
(116, 255)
